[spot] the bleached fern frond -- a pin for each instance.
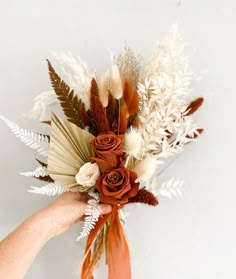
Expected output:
(33, 140)
(41, 103)
(77, 74)
(50, 190)
(171, 188)
(92, 213)
(40, 171)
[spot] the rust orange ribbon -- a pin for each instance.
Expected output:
(118, 257)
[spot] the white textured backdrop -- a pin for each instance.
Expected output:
(188, 238)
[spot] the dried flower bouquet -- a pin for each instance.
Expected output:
(118, 129)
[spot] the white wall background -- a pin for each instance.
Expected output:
(187, 238)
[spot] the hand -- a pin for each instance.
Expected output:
(65, 211)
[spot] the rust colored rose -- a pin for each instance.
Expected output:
(108, 148)
(117, 186)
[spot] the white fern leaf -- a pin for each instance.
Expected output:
(50, 190)
(92, 213)
(40, 171)
(35, 141)
(171, 188)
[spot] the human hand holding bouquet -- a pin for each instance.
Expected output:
(119, 128)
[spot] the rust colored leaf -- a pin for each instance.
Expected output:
(133, 105)
(194, 106)
(127, 92)
(123, 119)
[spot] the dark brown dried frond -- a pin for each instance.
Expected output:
(45, 178)
(41, 163)
(48, 122)
(194, 106)
(68, 100)
(144, 196)
(110, 111)
(97, 110)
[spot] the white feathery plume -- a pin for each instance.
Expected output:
(133, 143)
(103, 91)
(165, 84)
(40, 105)
(50, 190)
(35, 141)
(116, 82)
(77, 74)
(146, 168)
(40, 171)
(92, 213)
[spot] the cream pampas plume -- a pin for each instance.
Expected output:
(103, 91)
(146, 168)
(116, 82)
(133, 143)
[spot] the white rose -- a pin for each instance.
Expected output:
(88, 174)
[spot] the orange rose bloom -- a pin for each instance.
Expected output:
(108, 148)
(117, 186)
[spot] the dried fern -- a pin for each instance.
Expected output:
(92, 213)
(40, 171)
(171, 188)
(36, 141)
(68, 100)
(50, 190)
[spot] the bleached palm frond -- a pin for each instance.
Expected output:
(35, 141)
(171, 188)
(41, 104)
(50, 190)
(77, 74)
(92, 213)
(40, 171)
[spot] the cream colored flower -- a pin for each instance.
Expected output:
(87, 174)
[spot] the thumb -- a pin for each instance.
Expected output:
(105, 208)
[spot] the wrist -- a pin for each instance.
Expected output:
(40, 224)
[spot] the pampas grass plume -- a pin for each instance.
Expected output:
(133, 142)
(116, 82)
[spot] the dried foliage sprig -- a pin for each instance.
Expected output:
(35, 141)
(92, 213)
(50, 190)
(68, 100)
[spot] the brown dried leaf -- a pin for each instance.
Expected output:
(68, 100)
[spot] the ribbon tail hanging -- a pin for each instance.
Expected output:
(118, 249)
